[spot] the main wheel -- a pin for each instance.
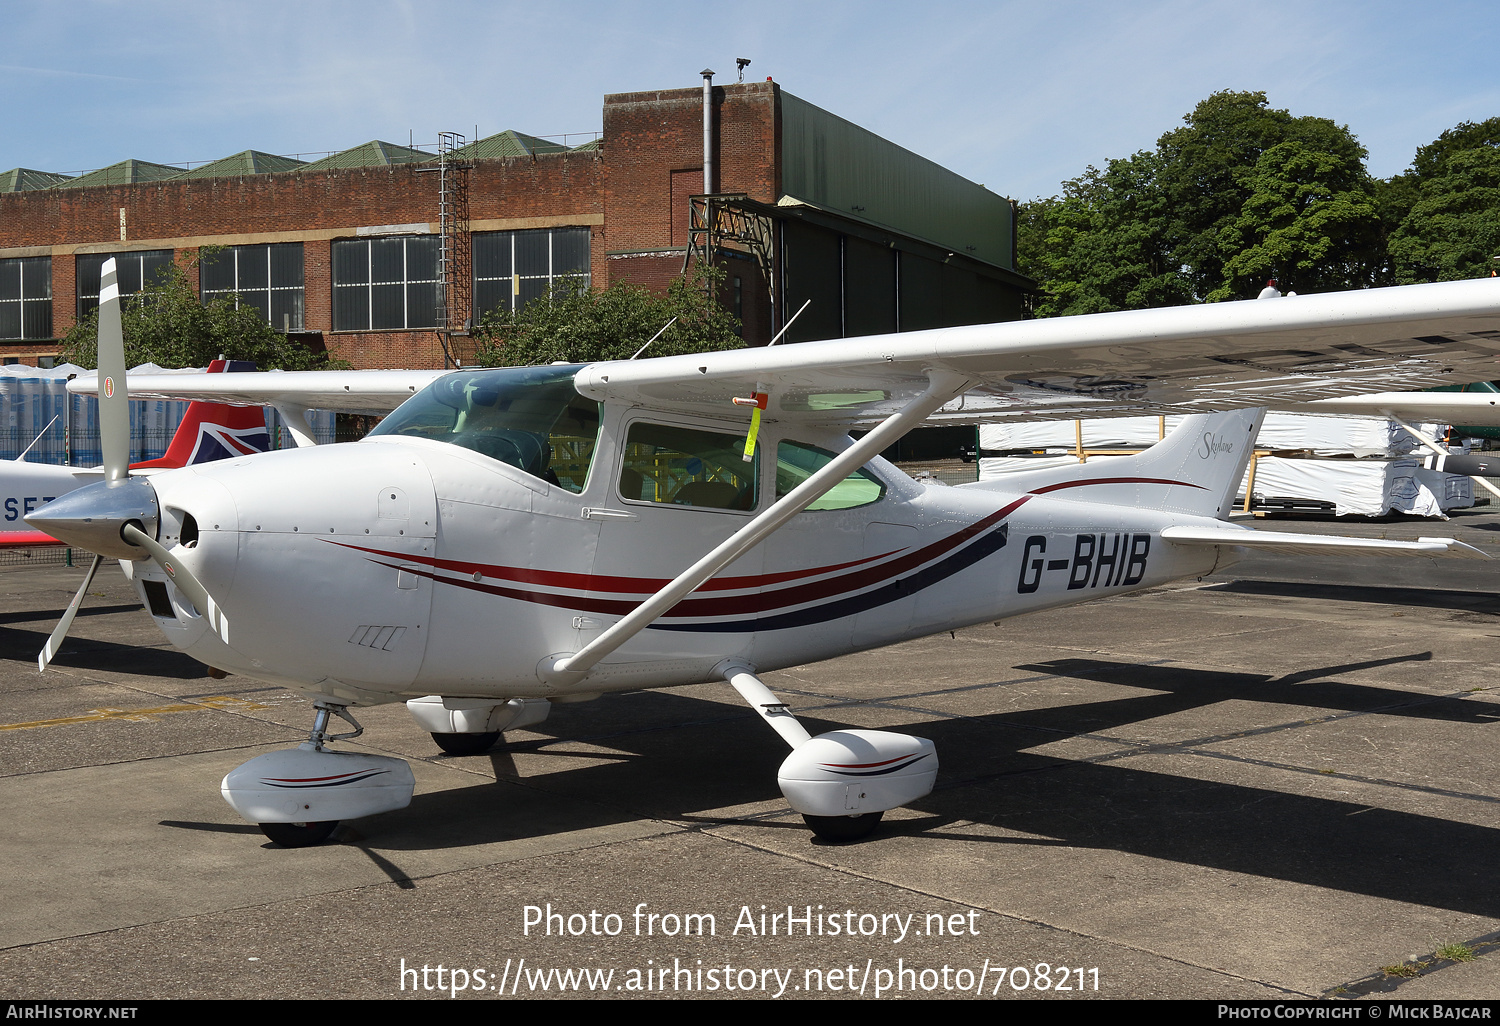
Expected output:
(466, 744)
(843, 828)
(298, 835)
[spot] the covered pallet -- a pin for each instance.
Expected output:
(1368, 488)
(1322, 435)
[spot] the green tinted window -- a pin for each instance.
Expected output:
(796, 462)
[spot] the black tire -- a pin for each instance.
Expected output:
(841, 829)
(299, 835)
(466, 744)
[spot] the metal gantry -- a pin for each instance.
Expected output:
(729, 221)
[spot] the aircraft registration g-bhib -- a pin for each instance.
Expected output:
(509, 538)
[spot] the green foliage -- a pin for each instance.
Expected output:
(1456, 952)
(1309, 218)
(1102, 245)
(165, 324)
(1212, 167)
(576, 324)
(1453, 225)
(1240, 193)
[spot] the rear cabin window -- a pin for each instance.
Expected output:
(796, 462)
(684, 466)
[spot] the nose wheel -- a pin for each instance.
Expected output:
(466, 744)
(840, 829)
(298, 835)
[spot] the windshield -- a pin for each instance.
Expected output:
(529, 417)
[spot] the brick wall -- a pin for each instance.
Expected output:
(649, 136)
(310, 207)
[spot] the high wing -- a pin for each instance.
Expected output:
(1184, 359)
(1281, 353)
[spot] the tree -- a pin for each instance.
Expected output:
(1442, 216)
(575, 324)
(1242, 192)
(1310, 217)
(1454, 226)
(1212, 167)
(1102, 245)
(165, 324)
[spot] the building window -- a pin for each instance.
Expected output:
(136, 270)
(267, 277)
(513, 268)
(26, 297)
(385, 284)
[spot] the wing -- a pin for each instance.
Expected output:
(1283, 353)
(345, 391)
(1291, 350)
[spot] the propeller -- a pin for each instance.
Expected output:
(118, 516)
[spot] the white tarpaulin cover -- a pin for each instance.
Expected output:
(1369, 488)
(1325, 436)
(30, 397)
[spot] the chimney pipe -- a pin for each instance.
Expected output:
(708, 121)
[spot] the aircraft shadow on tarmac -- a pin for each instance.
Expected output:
(669, 755)
(1431, 598)
(82, 653)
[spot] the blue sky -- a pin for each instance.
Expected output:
(1018, 96)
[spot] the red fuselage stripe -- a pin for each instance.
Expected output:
(737, 605)
(1114, 480)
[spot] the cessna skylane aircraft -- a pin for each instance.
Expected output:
(208, 431)
(508, 538)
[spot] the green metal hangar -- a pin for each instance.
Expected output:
(382, 254)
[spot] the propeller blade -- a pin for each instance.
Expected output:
(114, 403)
(181, 576)
(49, 651)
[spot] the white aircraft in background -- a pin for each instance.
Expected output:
(514, 537)
(208, 431)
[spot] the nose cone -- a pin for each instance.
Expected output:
(91, 517)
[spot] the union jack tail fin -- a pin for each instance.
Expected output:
(214, 431)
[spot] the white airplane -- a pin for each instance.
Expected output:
(509, 538)
(208, 431)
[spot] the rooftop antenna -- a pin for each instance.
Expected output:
(742, 63)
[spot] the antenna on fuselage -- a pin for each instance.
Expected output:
(21, 458)
(789, 323)
(653, 338)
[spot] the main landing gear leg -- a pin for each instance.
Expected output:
(298, 797)
(843, 781)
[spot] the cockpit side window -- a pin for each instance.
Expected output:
(531, 418)
(686, 466)
(797, 461)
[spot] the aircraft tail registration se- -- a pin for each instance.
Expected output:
(508, 538)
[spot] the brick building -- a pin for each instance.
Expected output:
(350, 251)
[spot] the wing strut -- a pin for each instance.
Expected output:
(1429, 443)
(941, 388)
